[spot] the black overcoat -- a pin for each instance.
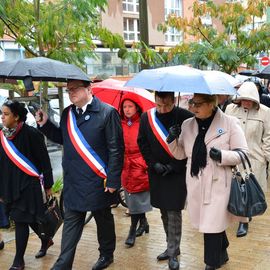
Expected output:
(167, 192)
(21, 192)
(101, 127)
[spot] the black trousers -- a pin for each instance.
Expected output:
(215, 249)
(72, 231)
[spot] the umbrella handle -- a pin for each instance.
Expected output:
(40, 94)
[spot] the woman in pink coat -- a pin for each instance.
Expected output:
(207, 140)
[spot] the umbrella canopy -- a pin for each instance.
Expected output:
(181, 79)
(41, 69)
(264, 73)
(216, 73)
(112, 91)
(247, 72)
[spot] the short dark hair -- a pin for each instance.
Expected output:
(163, 95)
(17, 108)
(85, 83)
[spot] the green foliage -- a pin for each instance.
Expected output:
(140, 53)
(61, 29)
(58, 185)
(229, 47)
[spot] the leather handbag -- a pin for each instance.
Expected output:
(247, 198)
(52, 220)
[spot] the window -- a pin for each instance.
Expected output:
(131, 6)
(173, 36)
(173, 6)
(12, 54)
(131, 29)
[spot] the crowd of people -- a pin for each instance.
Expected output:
(145, 152)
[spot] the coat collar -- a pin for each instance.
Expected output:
(215, 130)
(93, 107)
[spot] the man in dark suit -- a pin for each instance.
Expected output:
(91, 134)
(166, 174)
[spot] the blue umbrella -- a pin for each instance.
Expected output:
(181, 79)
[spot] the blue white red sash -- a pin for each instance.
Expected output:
(159, 130)
(82, 147)
(18, 158)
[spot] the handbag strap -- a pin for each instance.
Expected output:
(242, 159)
(246, 158)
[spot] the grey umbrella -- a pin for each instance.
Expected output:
(41, 69)
(264, 73)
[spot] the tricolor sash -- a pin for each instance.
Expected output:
(82, 147)
(18, 158)
(159, 130)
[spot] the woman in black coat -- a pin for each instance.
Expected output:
(21, 190)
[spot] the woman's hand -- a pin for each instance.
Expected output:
(215, 154)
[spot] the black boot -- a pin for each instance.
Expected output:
(242, 229)
(144, 227)
(131, 236)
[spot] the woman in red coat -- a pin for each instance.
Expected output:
(134, 175)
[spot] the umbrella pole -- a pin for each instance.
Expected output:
(40, 95)
(121, 95)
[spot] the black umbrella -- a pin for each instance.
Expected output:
(264, 73)
(41, 69)
(247, 72)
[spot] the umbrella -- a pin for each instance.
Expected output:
(247, 72)
(216, 73)
(181, 79)
(41, 69)
(264, 73)
(112, 91)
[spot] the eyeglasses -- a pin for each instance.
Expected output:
(196, 104)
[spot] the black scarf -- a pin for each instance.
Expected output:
(199, 151)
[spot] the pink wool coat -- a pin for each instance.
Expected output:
(208, 194)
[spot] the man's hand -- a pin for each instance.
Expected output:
(48, 192)
(41, 117)
(111, 190)
(174, 132)
(215, 154)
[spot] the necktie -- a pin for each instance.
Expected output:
(80, 112)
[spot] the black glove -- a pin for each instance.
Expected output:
(169, 169)
(159, 168)
(174, 132)
(215, 154)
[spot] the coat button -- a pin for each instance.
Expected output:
(244, 122)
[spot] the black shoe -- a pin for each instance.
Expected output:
(164, 256)
(208, 267)
(17, 267)
(242, 229)
(144, 227)
(43, 251)
(173, 263)
(102, 263)
(131, 237)
(2, 244)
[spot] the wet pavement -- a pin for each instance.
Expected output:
(248, 253)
